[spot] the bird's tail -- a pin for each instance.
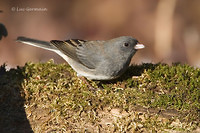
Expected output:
(37, 43)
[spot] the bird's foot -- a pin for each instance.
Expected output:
(88, 84)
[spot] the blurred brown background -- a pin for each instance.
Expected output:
(170, 29)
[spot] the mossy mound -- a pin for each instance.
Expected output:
(148, 97)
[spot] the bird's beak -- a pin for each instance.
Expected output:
(139, 46)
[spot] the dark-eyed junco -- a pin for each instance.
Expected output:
(95, 60)
(3, 31)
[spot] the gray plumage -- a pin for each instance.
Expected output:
(96, 60)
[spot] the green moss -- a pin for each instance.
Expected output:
(71, 105)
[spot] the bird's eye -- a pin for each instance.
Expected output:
(126, 44)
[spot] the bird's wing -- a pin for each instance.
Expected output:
(90, 53)
(79, 50)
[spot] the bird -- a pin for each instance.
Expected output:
(92, 59)
(3, 31)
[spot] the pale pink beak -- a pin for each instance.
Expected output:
(139, 46)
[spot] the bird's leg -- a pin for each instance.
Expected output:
(87, 83)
